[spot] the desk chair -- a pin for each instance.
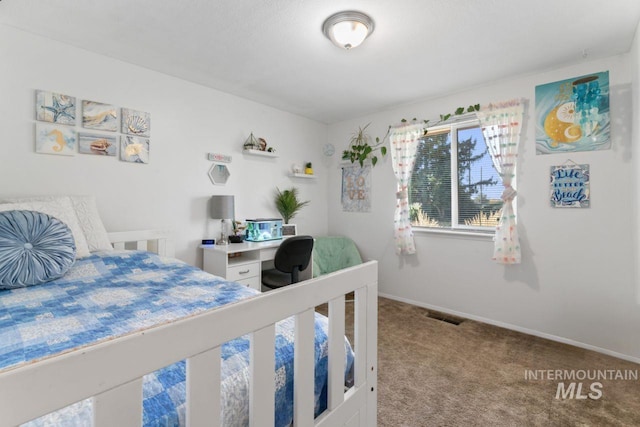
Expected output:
(292, 256)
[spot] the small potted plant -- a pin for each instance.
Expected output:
(308, 168)
(288, 204)
(361, 147)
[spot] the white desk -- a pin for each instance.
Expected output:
(243, 262)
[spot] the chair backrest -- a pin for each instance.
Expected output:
(333, 253)
(294, 255)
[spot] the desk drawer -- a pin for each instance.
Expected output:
(254, 282)
(239, 272)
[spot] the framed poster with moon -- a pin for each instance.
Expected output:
(573, 115)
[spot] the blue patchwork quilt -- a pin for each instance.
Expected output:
(110, 294)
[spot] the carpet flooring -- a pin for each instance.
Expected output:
(435, 373)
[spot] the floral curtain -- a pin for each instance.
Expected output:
(501, 125)
(404, 145)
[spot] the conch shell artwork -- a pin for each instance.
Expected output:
(101, 145)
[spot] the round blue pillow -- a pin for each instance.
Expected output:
(34, 248)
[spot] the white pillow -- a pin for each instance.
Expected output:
(87, 215)
(91, 224)
(61, 209)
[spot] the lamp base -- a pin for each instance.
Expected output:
(223, 233)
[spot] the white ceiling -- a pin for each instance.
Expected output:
(274, 52)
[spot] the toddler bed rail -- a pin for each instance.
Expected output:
(111, 372)
(156, 241)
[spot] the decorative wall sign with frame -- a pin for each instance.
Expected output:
(573, 115)
(96, 115)
(55, 108)
(218, 157)
(356, 188)
(569, 186)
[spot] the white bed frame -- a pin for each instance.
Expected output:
(112, 372)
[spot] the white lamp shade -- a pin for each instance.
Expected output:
(347, 29)
(349, 33)
(222, 207)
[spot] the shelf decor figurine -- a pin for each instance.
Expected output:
(251, 143)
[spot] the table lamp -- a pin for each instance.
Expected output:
(222, 207)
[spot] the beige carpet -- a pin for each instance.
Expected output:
(433, 373)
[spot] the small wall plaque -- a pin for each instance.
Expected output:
(216, 157)
(569, 186)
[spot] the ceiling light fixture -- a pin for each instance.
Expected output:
(347, 29)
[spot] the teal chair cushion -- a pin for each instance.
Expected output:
(332, 253)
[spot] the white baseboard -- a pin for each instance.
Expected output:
(515, 328)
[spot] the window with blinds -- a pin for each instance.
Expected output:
(454, 184)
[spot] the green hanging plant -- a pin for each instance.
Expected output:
(460, 111)
(287, 203)
(361, 147)
(444, 117)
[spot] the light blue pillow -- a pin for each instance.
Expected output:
(34, 248)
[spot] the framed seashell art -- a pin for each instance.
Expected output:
(134, 149)
(136, 122)
(102, 145)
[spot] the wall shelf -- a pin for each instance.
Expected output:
(302, 175)
(260, 153)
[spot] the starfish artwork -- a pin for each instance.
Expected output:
(55, 108)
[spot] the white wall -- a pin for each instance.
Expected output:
(635, 62)
(187, 121)
(576, 281)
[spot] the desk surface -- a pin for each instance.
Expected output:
(242, 247)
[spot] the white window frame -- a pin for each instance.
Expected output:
(453, 126)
